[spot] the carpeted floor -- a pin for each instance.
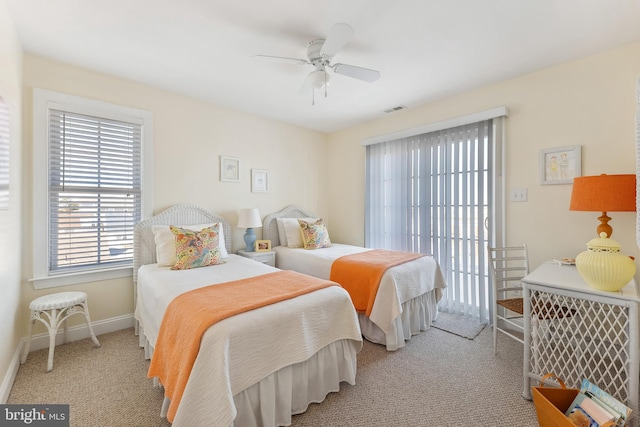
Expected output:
(438, 379)
(105, 386)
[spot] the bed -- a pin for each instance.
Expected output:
(408, 294)
(256, 368)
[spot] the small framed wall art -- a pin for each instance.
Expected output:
(560, 165)
(263, 245)
(229, 169)
(259, 181)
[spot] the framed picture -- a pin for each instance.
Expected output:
(259, 181)
(229, 169)
(263, 245)
(560, 165)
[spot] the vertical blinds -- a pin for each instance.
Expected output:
(430, 193)
(4, 155)
(94, 190)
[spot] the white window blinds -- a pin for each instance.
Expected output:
(94, 194)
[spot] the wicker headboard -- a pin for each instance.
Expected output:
(144, 245)
(270, 225)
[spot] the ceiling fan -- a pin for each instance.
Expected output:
(319, 55)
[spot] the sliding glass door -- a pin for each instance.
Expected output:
(436, 193)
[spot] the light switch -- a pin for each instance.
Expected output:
(518, 194)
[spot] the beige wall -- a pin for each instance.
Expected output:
(11, 316)
(189, 137)
(590, 102)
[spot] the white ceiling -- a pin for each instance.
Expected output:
(424, 49)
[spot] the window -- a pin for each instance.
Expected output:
(91, 185)
(435, 193)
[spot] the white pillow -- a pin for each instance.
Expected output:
(292, 230)
(166, 242)
(282, 235)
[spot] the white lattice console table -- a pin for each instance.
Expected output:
(576, 332)
(53, 310)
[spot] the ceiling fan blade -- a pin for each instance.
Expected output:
(268, 58)
(338, 37)
(359, 73)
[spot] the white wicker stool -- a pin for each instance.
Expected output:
(53, 310)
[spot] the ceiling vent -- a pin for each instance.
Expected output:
(394, 109)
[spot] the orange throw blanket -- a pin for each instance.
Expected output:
(190, 314)
(360, 274)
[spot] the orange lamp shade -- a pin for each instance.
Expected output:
(604, 193)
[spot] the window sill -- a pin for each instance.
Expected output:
(83, 277)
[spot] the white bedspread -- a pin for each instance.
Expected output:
(242, 350)
(399, 284)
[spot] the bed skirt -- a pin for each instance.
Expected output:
(286, 392)
(417, 315)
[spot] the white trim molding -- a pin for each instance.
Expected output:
(43, 101)
(445, 124)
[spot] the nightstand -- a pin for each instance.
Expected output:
(268, 258)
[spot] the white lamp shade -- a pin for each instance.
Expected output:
(249, 218)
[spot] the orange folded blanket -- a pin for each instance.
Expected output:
(190, 314)
(360, 274)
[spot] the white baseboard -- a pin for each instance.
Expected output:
(40, 341)
(79, 332)
(10, 375)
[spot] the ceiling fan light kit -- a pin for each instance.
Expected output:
(319, 79)
(319, 54)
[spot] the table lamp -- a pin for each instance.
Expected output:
(604, 193)
(249, 218)
(602, 265)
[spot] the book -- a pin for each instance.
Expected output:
(622, 411)
(599, 407)
(608, 408)
(576, 402)
(595, 416)
(599, 414)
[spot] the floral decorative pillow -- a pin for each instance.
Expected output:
(166, 241)
(196, 248)
(314, 234)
